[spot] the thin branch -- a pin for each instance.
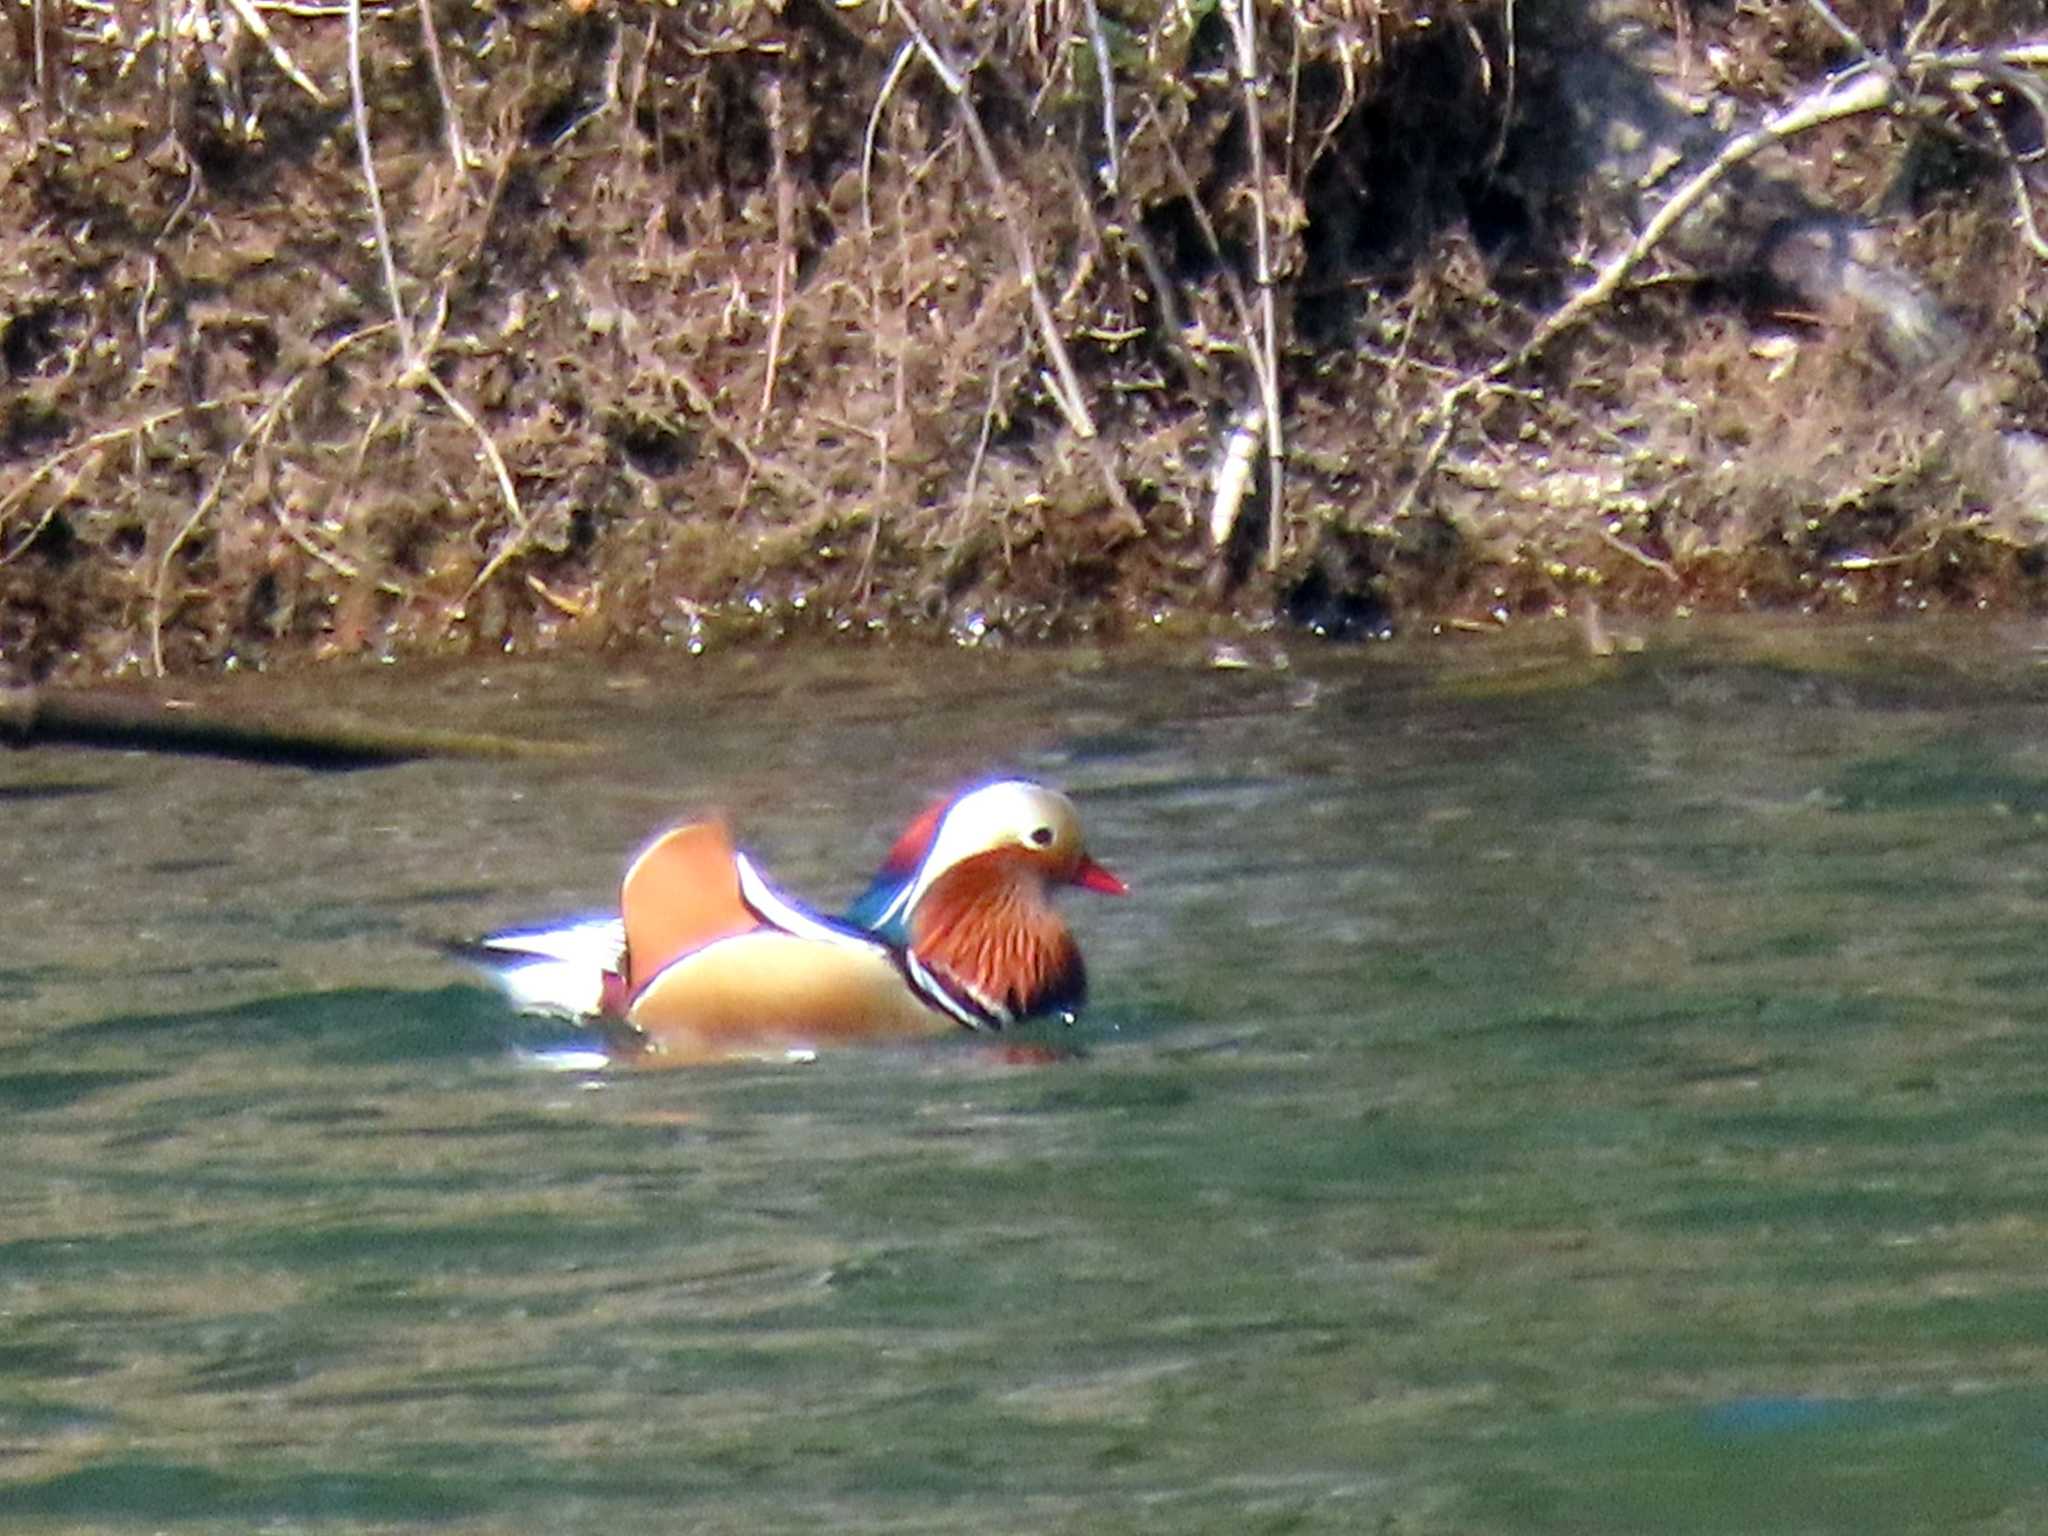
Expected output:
(1184, 184)
(286, 65)
(1840, 28)
(1614, 541)
(451, 120)
(98, 440)
(1930, 20)
(1863, 93)
(257, 435)
(1068, 394)
(785, 218)
(414, 360)
(399, 319)
(1243, 21)
(522, 526)
(988, 422)
(1853, 95)
(792, 483)
(1062, 382)
(2016, 180)
(897, 65)
(1131, 224)
(1105, 80)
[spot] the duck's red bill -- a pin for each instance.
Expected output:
(1092, 876)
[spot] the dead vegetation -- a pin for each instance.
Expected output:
(333, 327)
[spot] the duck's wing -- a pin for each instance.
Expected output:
(792, 983)
(680, 895)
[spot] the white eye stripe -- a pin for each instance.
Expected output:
(1012, 813)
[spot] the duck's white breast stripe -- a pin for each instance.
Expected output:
(936, 992)
(773, 907)
(975, 1012)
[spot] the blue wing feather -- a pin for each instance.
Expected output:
(869, 911)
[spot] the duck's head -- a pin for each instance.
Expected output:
(973, 907)
(1032, 831)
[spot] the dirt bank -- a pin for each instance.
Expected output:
(452, 324)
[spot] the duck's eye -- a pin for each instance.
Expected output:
(1041, 837)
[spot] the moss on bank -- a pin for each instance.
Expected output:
(712, 316)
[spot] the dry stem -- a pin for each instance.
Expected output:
(785, 199)
(258, 434)
(286, 65)
(451, 120)
(1063, 382)
(361, 114)
(1841, 98)
(1265, 350)
(98, 440)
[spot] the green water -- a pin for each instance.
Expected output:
(1519, 1097)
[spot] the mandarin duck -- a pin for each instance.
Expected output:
(706, 961)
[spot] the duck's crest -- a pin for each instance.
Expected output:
(681, 894)
(876, 908)
(910, 849)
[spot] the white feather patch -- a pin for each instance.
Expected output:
(556, 971)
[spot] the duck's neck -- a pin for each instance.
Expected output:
(986, 930)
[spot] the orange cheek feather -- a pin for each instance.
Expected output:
(983, 926)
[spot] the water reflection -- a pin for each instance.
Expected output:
(1518, 1098)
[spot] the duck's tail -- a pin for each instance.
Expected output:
(569, 970)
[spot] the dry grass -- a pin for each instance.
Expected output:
(700, 316)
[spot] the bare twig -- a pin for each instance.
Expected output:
(1062, 381)
(415, 358)
(522, 528)
(1839, 27)
(1131, 225)
(1510, 69)
(333, 559)
(400, 321)
(988, 422)
(1105, 80)
(1615, 542)
(257, 435)
(1243, 21)
(1850, 97)
(111, 435)
(1924, 28)
(451, 120)
(1068, 393)
(785, 217)
(1847, 96)
(897, 65)
(877, 331)
(2016, 180)
(788, 480)
(286, 65)
(1184, 183)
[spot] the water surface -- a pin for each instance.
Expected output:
(1522, 1095)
